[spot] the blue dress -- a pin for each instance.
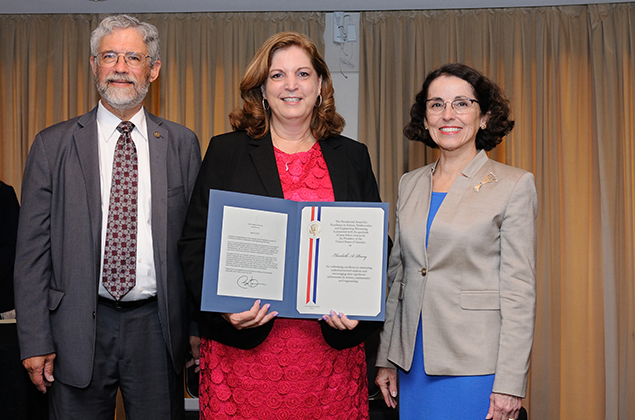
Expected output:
(424, 397)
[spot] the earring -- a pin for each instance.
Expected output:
(425, 126)
(483, 126)
(320, 101)
(265, 104)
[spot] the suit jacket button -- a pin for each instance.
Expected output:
(424, 271)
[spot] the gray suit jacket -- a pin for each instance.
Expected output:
(59, 241)
(474, 286)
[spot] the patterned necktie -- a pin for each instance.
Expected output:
(120, 252)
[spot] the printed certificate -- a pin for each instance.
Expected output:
(303, 258)
(339, 259)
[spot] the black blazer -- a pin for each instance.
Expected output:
(236, 162)
(9, 210)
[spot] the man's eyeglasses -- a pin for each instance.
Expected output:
(436, 106)
(132, 59)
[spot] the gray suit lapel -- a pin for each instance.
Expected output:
(158, 138)
(87, 144)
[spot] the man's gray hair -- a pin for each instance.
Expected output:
(110, 24)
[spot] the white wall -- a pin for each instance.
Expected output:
(345, 78)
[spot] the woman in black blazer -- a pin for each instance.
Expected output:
(287, 144)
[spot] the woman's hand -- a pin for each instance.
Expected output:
(255, 317)
(503, 407)
(386, 380)
(195, 349)
(340, 321)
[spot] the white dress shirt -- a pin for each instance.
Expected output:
(107, 122)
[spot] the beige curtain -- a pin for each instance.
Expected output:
(569, 72)
(45, 75)
(205, 57)
(45, 78)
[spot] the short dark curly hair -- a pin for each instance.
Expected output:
(490, 99)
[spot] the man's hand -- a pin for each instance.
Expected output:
(40, 370)
(255, 317)
(386, 380)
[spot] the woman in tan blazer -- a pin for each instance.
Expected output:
(461, 307)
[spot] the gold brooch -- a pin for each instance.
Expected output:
(489, 178)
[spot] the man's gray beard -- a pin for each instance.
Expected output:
(123, 99)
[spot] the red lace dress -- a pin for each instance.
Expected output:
(294, 373)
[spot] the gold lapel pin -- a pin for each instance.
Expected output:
(489, 178)
(156, 134)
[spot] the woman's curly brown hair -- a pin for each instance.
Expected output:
(254, 119)
(490, 98)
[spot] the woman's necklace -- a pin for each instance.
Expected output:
(290, 155)
(297, 149)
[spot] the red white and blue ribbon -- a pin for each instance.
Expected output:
(314, 252)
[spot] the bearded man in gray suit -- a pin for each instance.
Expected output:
(89, 320)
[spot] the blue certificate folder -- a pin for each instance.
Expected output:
(303, 258)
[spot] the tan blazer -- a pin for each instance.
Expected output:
(474, 287)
